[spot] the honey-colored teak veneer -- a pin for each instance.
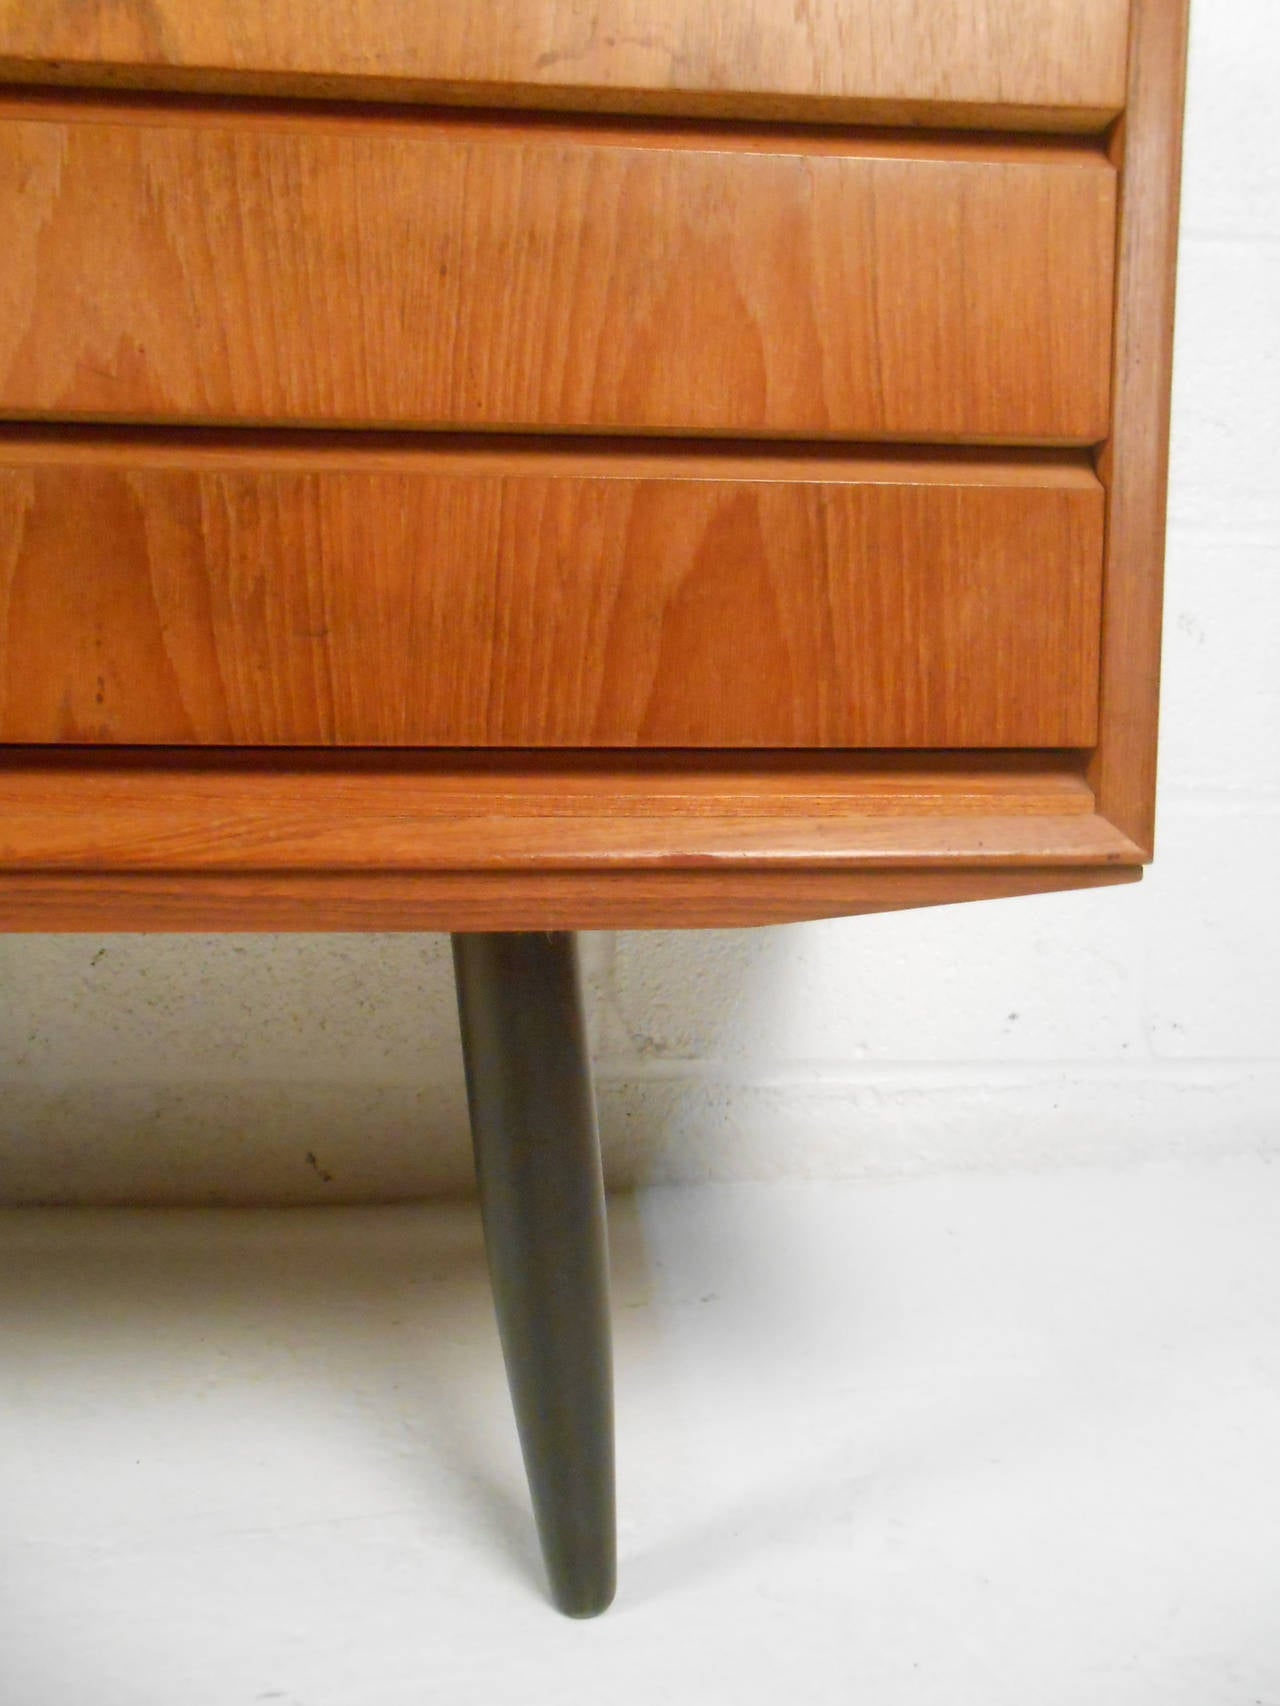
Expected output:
(517, 469)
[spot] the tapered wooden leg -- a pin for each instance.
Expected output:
(542, 1198)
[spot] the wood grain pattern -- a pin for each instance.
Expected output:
(292, 595)
(1135, 461)
(204, 263)
(149, 840)
(239, 267)
(514, 812)
(1037, 62)
(546, 900)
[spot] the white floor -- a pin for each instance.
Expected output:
(972, 1440)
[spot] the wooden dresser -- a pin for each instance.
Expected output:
(517, 467)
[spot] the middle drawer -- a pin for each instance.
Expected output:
(232, 266)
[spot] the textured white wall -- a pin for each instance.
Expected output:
(1127, 1022)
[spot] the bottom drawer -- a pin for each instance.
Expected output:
(213, 591)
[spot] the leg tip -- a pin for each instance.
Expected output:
(582, 1602)
(584, 1586)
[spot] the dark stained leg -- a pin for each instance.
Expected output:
(542, 1197)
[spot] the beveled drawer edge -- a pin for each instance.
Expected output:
(710, 106)
(43, 442)
(698, 133)
(170, 811)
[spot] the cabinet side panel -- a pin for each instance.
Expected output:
(1135, 462)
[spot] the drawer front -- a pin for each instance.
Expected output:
(429, 597)
(205, 267)
(1034, 62)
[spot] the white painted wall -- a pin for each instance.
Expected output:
(1130, 1022)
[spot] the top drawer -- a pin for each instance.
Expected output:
(1036, 64)
(226, 266)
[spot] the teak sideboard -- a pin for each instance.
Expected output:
(550, 464)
